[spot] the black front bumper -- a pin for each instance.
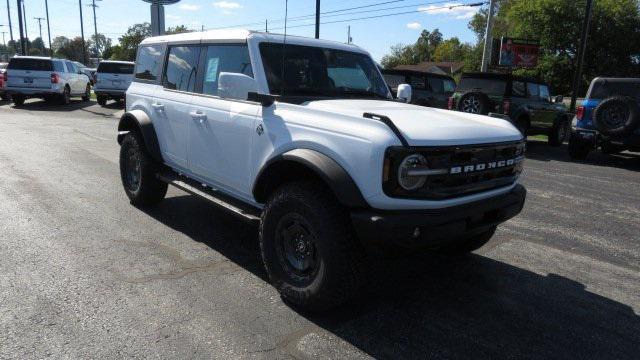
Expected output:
(434, 228)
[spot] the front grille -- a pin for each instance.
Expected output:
(469, 169)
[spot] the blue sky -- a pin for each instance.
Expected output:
(375, 35)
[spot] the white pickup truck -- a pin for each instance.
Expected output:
(302, 137)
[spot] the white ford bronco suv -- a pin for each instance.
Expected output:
(302, 137)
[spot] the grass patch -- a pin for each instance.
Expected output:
(538, 137)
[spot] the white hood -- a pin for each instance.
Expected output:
(425, 126)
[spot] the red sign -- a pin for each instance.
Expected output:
(519, 52)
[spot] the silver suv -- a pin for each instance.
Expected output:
(46, 78)
(112, 80)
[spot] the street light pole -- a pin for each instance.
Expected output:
(22, 49)
(488, 38)
(84, 49)
(317, 19)
(9, 15)
(575, 87)
(95, 25)
(46, 7)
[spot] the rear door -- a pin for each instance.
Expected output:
(549, 110)
(441, 89)
(114, 76)
(73, 78)
(29, 73)
(537, 108)
(172, 103)
(421, 95)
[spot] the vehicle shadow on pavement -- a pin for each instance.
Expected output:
(430, 306)
(538, 150)
(53, 106)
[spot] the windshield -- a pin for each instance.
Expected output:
(489, 86)
(602, 89)
(322, 72)
(30, 64)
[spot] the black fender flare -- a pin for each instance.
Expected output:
(138, 120)
(334, 175)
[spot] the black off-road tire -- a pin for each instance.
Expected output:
(610, 149)
(138, 172)
(5, 97)
(87, 93)
(65, 98)
(336, 277)
(578, 150)
(467, 245)
(102, 100)
(475, 103)
(18, 100)
(617, 116)
(559, 132)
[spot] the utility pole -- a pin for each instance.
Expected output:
(40, 27)
(22, 47)
(317, 19)
(349, 39)
(266, 25)
(4, 42)
(84, 48)
(575, 87)
(9, 15)
(95, 25)
(46, 7)
(488, 38)
(26, 31)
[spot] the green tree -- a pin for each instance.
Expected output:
(102, 43)
(130, 40)
(73, 50)
(180, 29)
(59, 42)
(452, 50)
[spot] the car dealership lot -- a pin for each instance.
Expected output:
(85, 274)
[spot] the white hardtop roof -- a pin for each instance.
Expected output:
(243, 35)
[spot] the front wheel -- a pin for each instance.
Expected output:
(102, 100)
(87, 93)
(138, 172)
(309, 248)
(467, 245)
(578, 150)
(18, 100)
(558, 133)
(65, 98)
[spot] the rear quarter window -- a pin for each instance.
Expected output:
(30, 64)
(115, 68)
(489, 86)
(605, 88)
(149, 62)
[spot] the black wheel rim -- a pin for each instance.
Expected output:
(295, 248)
(615, 116)
(132, 169)
(471, 104)
(562, 132)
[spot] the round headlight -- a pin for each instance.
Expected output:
(409, 163)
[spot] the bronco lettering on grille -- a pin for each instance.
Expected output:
(484, 166)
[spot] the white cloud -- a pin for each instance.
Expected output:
(228, 5)
(189, 7)
(414, 25)
(451, 9)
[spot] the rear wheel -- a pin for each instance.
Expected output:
(18, 100)
(468, 245)
(522, 124)
(559, 132)
(102, 100)
(578, 149)
(309, 248)
(475, 103)
(5, 97)
(65, 98)
(87, 93)
(138, 172)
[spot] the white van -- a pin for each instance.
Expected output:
(112, 80)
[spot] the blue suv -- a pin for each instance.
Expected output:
(609, 118)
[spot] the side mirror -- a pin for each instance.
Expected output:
(558, 99)
(235, 86)
(404, 93)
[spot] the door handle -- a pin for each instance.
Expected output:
(158, 106)
(198, 115)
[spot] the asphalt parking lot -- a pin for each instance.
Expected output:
(83, 274)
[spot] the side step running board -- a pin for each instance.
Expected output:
(225, 202)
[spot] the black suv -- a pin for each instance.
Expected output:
(428, 89)
(527, 103)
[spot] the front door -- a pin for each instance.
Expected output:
(222, 129)
(172, 104)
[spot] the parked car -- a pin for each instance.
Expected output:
(3, 95)
(428, 89)
(46, 78)
(90, 72)
(306, 141)
(112, 80)
(526, 102)
(609, 118)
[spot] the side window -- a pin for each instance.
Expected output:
(394, 80)
(224, 58)
(449, 86)
(149, 62)
(58, 67)
(518, 89)
(532, 91)
(544, 93)
(436, 84)
(417, 82)
(182, 68)
(71, 67)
